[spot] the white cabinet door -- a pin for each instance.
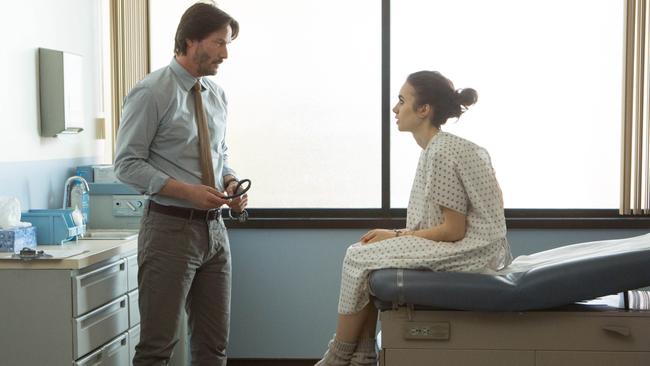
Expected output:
(429, 357)
(114, 353)
(575, 358)
(99, 326)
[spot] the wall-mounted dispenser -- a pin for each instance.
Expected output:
(60, 92)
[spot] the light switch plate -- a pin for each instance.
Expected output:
(128, 205)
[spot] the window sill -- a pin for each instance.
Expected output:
(396, 218)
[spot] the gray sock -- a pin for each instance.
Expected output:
(365, 354)
(338, 353)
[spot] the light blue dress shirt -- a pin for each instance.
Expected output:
(158, 139)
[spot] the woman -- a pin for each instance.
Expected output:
(455, 219)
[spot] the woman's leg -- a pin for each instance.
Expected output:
(369, 330)
(352, 324)
(338, 353)
(352, 327)
(365, 353)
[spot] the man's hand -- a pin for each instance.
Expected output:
(376, 235)
(204, 197)
(200, 196)
(237, 204)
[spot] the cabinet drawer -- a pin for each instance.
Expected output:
(98, 286)
(115, 353)
(534, 330)
(428, 357)
(134, 310)
(134, 339)
(132, 271)
(97, 327)
(566, 358)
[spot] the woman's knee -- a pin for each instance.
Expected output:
(353, 253)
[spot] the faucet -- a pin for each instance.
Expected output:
(66, 188)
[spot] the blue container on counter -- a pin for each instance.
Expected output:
(53, 226)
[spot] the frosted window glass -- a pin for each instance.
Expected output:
(549, 79)
(303, 82)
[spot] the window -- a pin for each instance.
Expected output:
(311, 86)
(303, 83)
(549, 80)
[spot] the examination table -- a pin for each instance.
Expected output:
(530, 313)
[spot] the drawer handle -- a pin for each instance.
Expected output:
(113, 348)
(624, 331)
(101, 273)
(101, 314)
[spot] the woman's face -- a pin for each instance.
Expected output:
(405, 113)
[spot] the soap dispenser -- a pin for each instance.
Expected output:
(61, 92)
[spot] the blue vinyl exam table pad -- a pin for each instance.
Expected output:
(542, 280)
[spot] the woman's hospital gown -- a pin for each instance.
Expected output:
(455, 173)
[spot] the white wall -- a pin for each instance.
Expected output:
(66, 25)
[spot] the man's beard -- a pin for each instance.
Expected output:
(206, 65)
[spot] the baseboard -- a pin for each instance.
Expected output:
(271, 362)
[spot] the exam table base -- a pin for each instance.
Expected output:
(563, 337)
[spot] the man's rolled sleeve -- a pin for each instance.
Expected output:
(136, 132)
(227, 170)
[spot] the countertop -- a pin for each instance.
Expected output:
(94, 251)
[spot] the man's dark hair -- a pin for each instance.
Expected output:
(200, 20)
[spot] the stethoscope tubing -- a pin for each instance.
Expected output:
(240, 190)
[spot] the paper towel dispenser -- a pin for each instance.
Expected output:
(60, 83)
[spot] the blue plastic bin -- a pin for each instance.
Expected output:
(53, 226)
(86, 172)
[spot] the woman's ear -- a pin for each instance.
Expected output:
(425, 111)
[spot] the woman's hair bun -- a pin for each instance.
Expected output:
(466, 97)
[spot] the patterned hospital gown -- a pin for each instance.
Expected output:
(454, 173)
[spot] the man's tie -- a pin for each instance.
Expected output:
(207, 172)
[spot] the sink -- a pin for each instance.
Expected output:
(109, 234)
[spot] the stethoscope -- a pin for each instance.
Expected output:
(242, 187)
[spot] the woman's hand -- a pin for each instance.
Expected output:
(376, 235)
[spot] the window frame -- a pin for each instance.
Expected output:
(262, 218)
(393, 218)
(387, 217)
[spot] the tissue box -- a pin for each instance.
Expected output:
(15, 239)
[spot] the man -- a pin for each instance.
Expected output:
(166, 151)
